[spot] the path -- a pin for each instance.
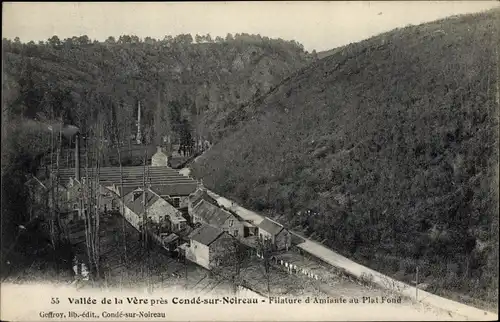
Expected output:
(329, 256)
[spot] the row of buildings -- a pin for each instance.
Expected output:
(176, 211)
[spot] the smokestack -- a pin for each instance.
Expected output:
(139, 134)
(77, 156)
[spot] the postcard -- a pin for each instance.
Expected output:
(250, 161)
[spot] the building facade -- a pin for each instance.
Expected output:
(207, 245)
(160, 158)
(207, 213)
(274, 233)
(140, 207)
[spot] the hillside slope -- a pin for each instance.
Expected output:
(174, 79)
(392, 142)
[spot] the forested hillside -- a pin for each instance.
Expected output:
(393, 143)
(181, 83)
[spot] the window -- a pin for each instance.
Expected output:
(75, 206)
(176, 202)
(231, 222)
(235, 233)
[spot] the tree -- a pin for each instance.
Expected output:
(110, 40)
(264, 252)
(149, 41)
(183, 39)
(125, 39)
(229, 37)
(84, 40)
(229, 263)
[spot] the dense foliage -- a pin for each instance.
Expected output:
(182, 85)
(393, 143)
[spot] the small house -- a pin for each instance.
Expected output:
(206, 212)
(159, 212)
(206, 246)
(200, 194)
(176, 193)
(160, 158)
(275, 233)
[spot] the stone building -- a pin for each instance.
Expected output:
(206, 246)
(160, 158)
(206, 212)
(140, 206)
(275, 234)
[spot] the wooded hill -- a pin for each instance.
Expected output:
(393, 143)
(180, 83)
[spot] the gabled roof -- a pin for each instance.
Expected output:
(137, 205)
(201, 194)
(212, 214)
(174, 215)
(206, 234)
(270, 226)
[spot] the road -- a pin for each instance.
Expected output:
(453, 308)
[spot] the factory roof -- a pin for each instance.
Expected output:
(162, 179)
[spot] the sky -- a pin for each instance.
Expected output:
(318, 25)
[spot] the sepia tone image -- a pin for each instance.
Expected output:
(250, 161)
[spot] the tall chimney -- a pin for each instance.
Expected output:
(139, 134)
(77, 156)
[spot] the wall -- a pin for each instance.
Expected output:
(161, 211)
(266, 235)
(156, 212)
(199, 254)
(132, 218)
(237, 225)
(184, 202)
(159, 160)
(283, 239)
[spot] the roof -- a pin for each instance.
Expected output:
(247, 224)
(174, 189)
(212, 214)
(270, 226)
(137, 205)
(174, 215)
(132, 176)
(206, 234)
(201, 194)
(168, 239)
